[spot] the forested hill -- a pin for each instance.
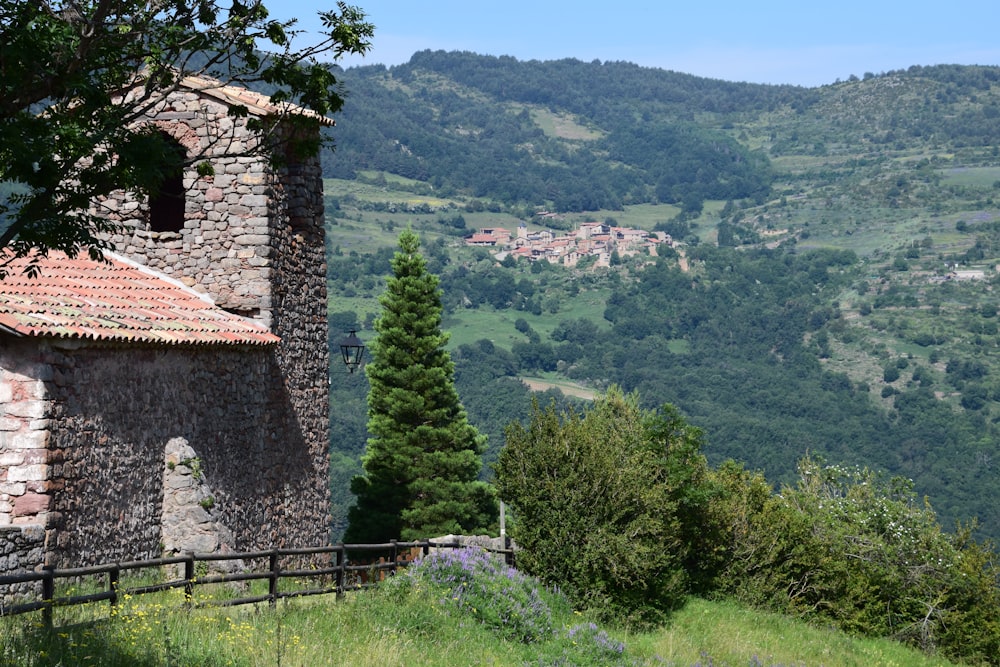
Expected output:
(581, 136)
(835, 291)
(587, 136)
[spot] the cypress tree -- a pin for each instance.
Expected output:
(423, 456)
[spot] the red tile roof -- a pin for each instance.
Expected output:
(116, 301)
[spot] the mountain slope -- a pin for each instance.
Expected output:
(829, 321)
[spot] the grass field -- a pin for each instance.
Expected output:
(562, 125)
(639, 216)
(468, 325)
(367, 629)
(981, 177)
(566, 387)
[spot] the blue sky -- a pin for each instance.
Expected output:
(803, 42)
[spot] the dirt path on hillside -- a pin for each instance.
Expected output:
(568, 388)
(683, 261)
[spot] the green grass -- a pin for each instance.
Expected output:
(552, 381)
(390, 192)
(562, 125)
(638, 216)
(983, 177)
(369, 629)
(468, 325)
(733, 635)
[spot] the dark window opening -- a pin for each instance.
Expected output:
(248, 313)
(166, 205)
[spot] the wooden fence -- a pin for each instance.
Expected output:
(331, 570)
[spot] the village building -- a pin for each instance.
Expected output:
(176, 397)
(594, 239)
(490, 236)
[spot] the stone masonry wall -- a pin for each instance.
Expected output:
(190, 520)
(223, 249)
(25, 460)
(20, 546)
(300, 313)
(115, 409)
(253, 239)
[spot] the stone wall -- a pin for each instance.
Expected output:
(109, 412)
(190, 520)
(225, 248)
(300, 315)
(114, 409)
(253, 240)
(25, 460)
(21, 548)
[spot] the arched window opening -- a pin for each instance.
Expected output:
(166, 205)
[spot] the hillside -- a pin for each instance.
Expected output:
(819, 310)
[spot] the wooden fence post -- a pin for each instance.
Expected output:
(272, 584)
(189, 578)
(340, 572)
(48, 592)
(114, 576)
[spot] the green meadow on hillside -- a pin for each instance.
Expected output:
(376, 630)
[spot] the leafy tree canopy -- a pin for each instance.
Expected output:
(76, 76)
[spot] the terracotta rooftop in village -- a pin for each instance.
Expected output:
(257, 104)
(117, 301)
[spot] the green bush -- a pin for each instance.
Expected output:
(890, 373)
(470, 583)
(849, 547)
(609, 504)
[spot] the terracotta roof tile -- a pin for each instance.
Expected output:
(116, 301)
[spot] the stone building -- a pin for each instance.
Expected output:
(176, 398)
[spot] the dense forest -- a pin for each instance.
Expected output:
(478, 134)
(811, 307)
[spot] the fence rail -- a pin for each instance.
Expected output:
(338, 575)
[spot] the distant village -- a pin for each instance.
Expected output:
(590, 239)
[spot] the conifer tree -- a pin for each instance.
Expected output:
(423, 456)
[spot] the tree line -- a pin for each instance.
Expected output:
(737, 343)
(482, 141)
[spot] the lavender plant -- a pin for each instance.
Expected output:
(482, 585)
(594, 643)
